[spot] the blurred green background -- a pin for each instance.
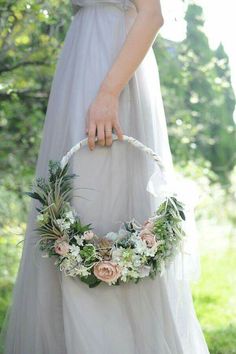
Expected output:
(199, 103)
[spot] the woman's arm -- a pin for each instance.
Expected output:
(103, 112)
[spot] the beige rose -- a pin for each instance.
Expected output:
(148, 237)
(104, 248)
(61, 247)
(88, 235)
(148, 225)
(107, 271)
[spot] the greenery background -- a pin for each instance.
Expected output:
(199, 103)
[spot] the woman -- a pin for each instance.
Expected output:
(106, 80)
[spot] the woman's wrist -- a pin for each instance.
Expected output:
(109, 88)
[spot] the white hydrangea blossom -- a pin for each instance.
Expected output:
(83, 271)
(74, 250)
(79, 240)
(69, 216)
(63, 224)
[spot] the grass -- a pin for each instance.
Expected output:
(215, 294)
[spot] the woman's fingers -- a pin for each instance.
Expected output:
(101, 134)
(91, 135)
(102, 118)
(118, 130)
(104, 134)
(108, 134)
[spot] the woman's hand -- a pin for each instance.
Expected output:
(102, 117)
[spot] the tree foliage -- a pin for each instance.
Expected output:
(32, 32)
(198, 97)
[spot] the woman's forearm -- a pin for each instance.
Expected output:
(139, 39)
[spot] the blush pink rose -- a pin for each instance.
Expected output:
(88, 235)
(148, 237)
(61, 247)
(107, 271)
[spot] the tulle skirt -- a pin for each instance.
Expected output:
(54, 314)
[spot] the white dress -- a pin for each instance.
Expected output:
(54, 314)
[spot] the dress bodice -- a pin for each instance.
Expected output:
(122, 4)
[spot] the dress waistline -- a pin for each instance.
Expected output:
(124, 6)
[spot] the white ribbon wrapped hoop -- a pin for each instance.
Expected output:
(95, 259)
(137, 144)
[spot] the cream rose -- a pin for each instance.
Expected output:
(61, 247)
(107, 271)
(148, 237)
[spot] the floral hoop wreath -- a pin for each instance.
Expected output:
(135, 252)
